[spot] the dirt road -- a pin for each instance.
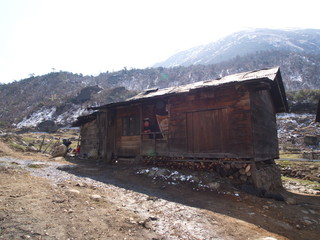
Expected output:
(47, 199)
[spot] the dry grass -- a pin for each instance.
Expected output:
(290, 155)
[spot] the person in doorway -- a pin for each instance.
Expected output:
(147, 128)
(66, 142)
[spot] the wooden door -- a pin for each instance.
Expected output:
(208, 131)
(128, 130)
(110, 145)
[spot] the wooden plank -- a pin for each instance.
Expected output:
(147, 146)
(206, 161)
(130, 139)
(264, 126)
(190, 135)
(224, 97)
(102, 132)
(161, 146)
(128, 146)
(177, 136)
(111, 131)
(231, 130)
(209, 131)
(206, 155)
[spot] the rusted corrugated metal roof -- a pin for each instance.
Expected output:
(81, 120)
(239, 77)
(270, 74)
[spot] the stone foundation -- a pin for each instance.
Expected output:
(261, 177)
(266, 176)
(89, 142)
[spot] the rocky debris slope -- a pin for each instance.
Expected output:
(300, 176)
(300, 171)
(300, 187)
(294, 130)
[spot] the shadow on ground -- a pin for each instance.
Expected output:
(297, 221)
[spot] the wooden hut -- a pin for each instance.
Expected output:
(232, 118)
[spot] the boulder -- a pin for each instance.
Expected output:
(214, 185)
(31, 149)
(290, 201)
(161, 172)
(243, 178)
(58, 158)
(95, 197)
(93, 153)
(311, 140)
(59, 151)
(47, 126)
(71, 190)
(266, 176)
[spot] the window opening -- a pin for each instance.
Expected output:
(130, 126)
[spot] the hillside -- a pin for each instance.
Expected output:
(58, 96)
(62, 96)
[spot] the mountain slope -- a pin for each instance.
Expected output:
(58, 96)
(248, 42)
(299, 70)
(62, 96)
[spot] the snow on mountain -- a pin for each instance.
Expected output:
(247, 42)
(44, 114)
(37, 117)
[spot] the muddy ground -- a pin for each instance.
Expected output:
(43, 198)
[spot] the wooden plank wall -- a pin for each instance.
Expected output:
(198, 124)
(102, 134)
(264, 126)
(230, 120)
(232, 127)
(111, 127)
(127, 145)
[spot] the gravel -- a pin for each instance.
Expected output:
(53, 171)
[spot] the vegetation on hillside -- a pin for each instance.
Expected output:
(304, 101)
(67, 92)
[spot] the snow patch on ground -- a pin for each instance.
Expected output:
(173, 177)
(283, 116)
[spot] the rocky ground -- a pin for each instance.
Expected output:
(74, 198)
(293, 130)
(43, 198)
(301, 176)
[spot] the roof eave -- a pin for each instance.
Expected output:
(277, 90)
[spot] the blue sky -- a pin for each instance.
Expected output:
(93, 36)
